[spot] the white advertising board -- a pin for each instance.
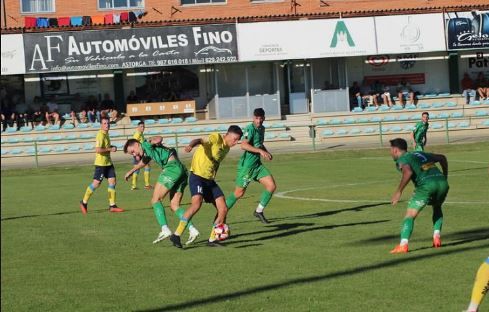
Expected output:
(306, 39)
(12, 54)
(410, 33)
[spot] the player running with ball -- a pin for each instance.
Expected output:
(172, 180)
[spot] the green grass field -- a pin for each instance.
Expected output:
(326, 250)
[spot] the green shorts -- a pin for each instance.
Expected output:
(432, 192)
(246, 175)
(174, 177)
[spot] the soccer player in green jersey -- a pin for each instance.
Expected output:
(431, 188)
(172, 180)
(250, 167)
(419, 132)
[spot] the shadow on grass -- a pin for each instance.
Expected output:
(467, 169)
(395, 261)
(319, 214)
(53, 214)
(456, 238)
(284, 230)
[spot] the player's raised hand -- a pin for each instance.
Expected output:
(188, 148)
(395, 198)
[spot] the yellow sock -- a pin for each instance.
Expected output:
(88, 193)
(481, 284)
(146, 176)
(134, 180)
(181, 227)
(111, 192)
(212, 237)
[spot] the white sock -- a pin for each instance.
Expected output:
(404, 241)
(436, 233)
(259, 208)
(192, 229)
(473, 307)
(165, 228)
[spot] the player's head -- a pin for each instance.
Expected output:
(133, 147)
(141, 126)
(104, 124)
(258, 116)
(233, 135)
(398, 147)
(425, 116)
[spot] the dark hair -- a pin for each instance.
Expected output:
(106, 118)
(399, 143)
(425, 113)
(235, 129)
(129, 142)
(140, 123)
(259, 112)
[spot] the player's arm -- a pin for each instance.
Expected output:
(245, 145)
(439, 158)
(193, 144)
(156, 140)
(407, 173)
(412, 137)
(143, 162)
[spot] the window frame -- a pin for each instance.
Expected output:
(37, 11)
(142, 7)
(225, 2)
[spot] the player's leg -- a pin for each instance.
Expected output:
(481, 287)
(147, 170)
(243, 179)
(175, 205)
(266, 179)
(220, 204)
(134, 180)
(98, 176)
(437, 202)
(159, 193)
(417, 202)
(111, 179)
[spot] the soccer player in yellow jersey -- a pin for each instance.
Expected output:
(205, 163)
(103, 168)
(139, 135)
(481, 287)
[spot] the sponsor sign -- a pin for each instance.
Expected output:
(467, 30)
(306, 39)
(12, 55)
(410, 33)
(130, 48)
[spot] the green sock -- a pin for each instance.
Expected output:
(180, 212)
(231, 200)
(437, 219)
(265, 198)
(159, 211)
(407, 228)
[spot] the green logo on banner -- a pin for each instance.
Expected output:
(341, 34)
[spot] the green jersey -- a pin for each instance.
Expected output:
(255, 136)
(423, 167)
(160, 154)
(420, 131)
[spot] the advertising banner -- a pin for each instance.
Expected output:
(306, 39)
(130, 48)
(12, 55)
(410, 33)
(467, 30)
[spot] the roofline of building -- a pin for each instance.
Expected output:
(251, 19)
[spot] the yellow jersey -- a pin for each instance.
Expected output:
(103, 141)
(208, 156)
(138, 136)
